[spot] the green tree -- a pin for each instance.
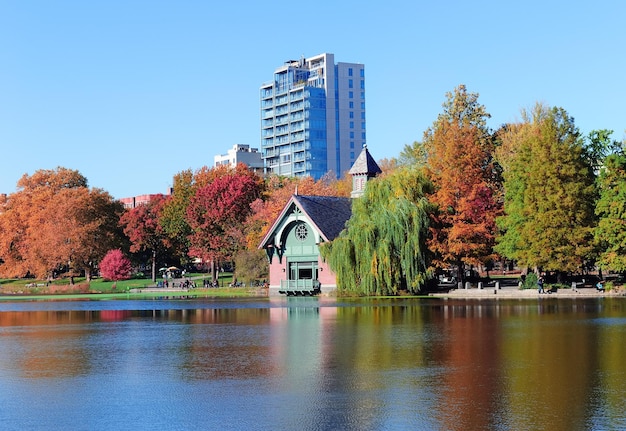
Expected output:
(610, 232)
(173, 216)
(549, 192)
(383, 249)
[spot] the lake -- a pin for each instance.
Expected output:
(314, 364)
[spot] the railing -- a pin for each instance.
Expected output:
(299, 287)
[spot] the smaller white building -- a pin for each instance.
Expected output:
(241, 153)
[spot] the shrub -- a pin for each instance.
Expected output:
(115, 266)
(530, 282)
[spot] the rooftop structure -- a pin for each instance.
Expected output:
(241, 154)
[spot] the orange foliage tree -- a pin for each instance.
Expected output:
(54, 223)
(459, 161)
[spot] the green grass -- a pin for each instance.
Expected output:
(195, 293)
(29, 289)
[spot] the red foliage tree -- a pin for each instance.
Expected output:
(142, 226)
(217, 211)
(115, 266)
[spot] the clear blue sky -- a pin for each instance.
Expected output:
(131, 92)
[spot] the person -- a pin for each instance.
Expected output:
(599, 286)
(540, 284)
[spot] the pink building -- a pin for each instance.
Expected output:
(136, 201)
(292, 243)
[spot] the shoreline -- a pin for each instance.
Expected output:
(514, 293)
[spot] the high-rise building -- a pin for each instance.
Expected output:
(313, 117)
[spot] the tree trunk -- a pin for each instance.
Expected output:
(213, 271)
(154, 266)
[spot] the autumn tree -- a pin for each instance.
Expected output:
(54, 222)
(217, 211)
(173, 216)
(549, 192)
(610, 232)
(457, 152)
(142, 226)
(382, 250)
(115, 266)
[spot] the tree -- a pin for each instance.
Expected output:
(173, 217)
(55, 223)
(142, 226)
(549, 192)
(610, 232)
(115, 266)
(217, 211)
(458, 155)
(599, 146)
(382, 250)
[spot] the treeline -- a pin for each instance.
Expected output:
(536, 192)
(55, 225)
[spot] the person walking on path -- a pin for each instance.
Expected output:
(540, 284)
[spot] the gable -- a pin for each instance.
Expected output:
(326, 215)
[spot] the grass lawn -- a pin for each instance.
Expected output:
(29, 289)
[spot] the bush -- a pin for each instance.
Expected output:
(530, 282)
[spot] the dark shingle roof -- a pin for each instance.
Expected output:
(328, 213)
(365, 164)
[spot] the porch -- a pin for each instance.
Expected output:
(302, 287)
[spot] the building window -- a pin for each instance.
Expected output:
(349, 71)
(350, 84)
(351, 135)
(350, 95)
(362, 95)
(301, 232)
(362, 85)
(352, 124)
(362, 73)
(351, 114)
(363, 125)
(351, 144)
(351, 104)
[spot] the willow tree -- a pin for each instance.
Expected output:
(549, 192)
(383, 249)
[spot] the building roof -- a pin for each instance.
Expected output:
(365, 164)
(328, 214)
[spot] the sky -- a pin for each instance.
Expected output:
(132, 92)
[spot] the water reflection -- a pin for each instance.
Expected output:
(375, 364)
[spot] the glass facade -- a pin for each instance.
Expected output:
(305, 117)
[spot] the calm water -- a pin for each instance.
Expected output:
(314, 364)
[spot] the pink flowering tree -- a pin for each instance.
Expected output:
(115, 266)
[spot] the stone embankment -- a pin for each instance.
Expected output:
(515, 293)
